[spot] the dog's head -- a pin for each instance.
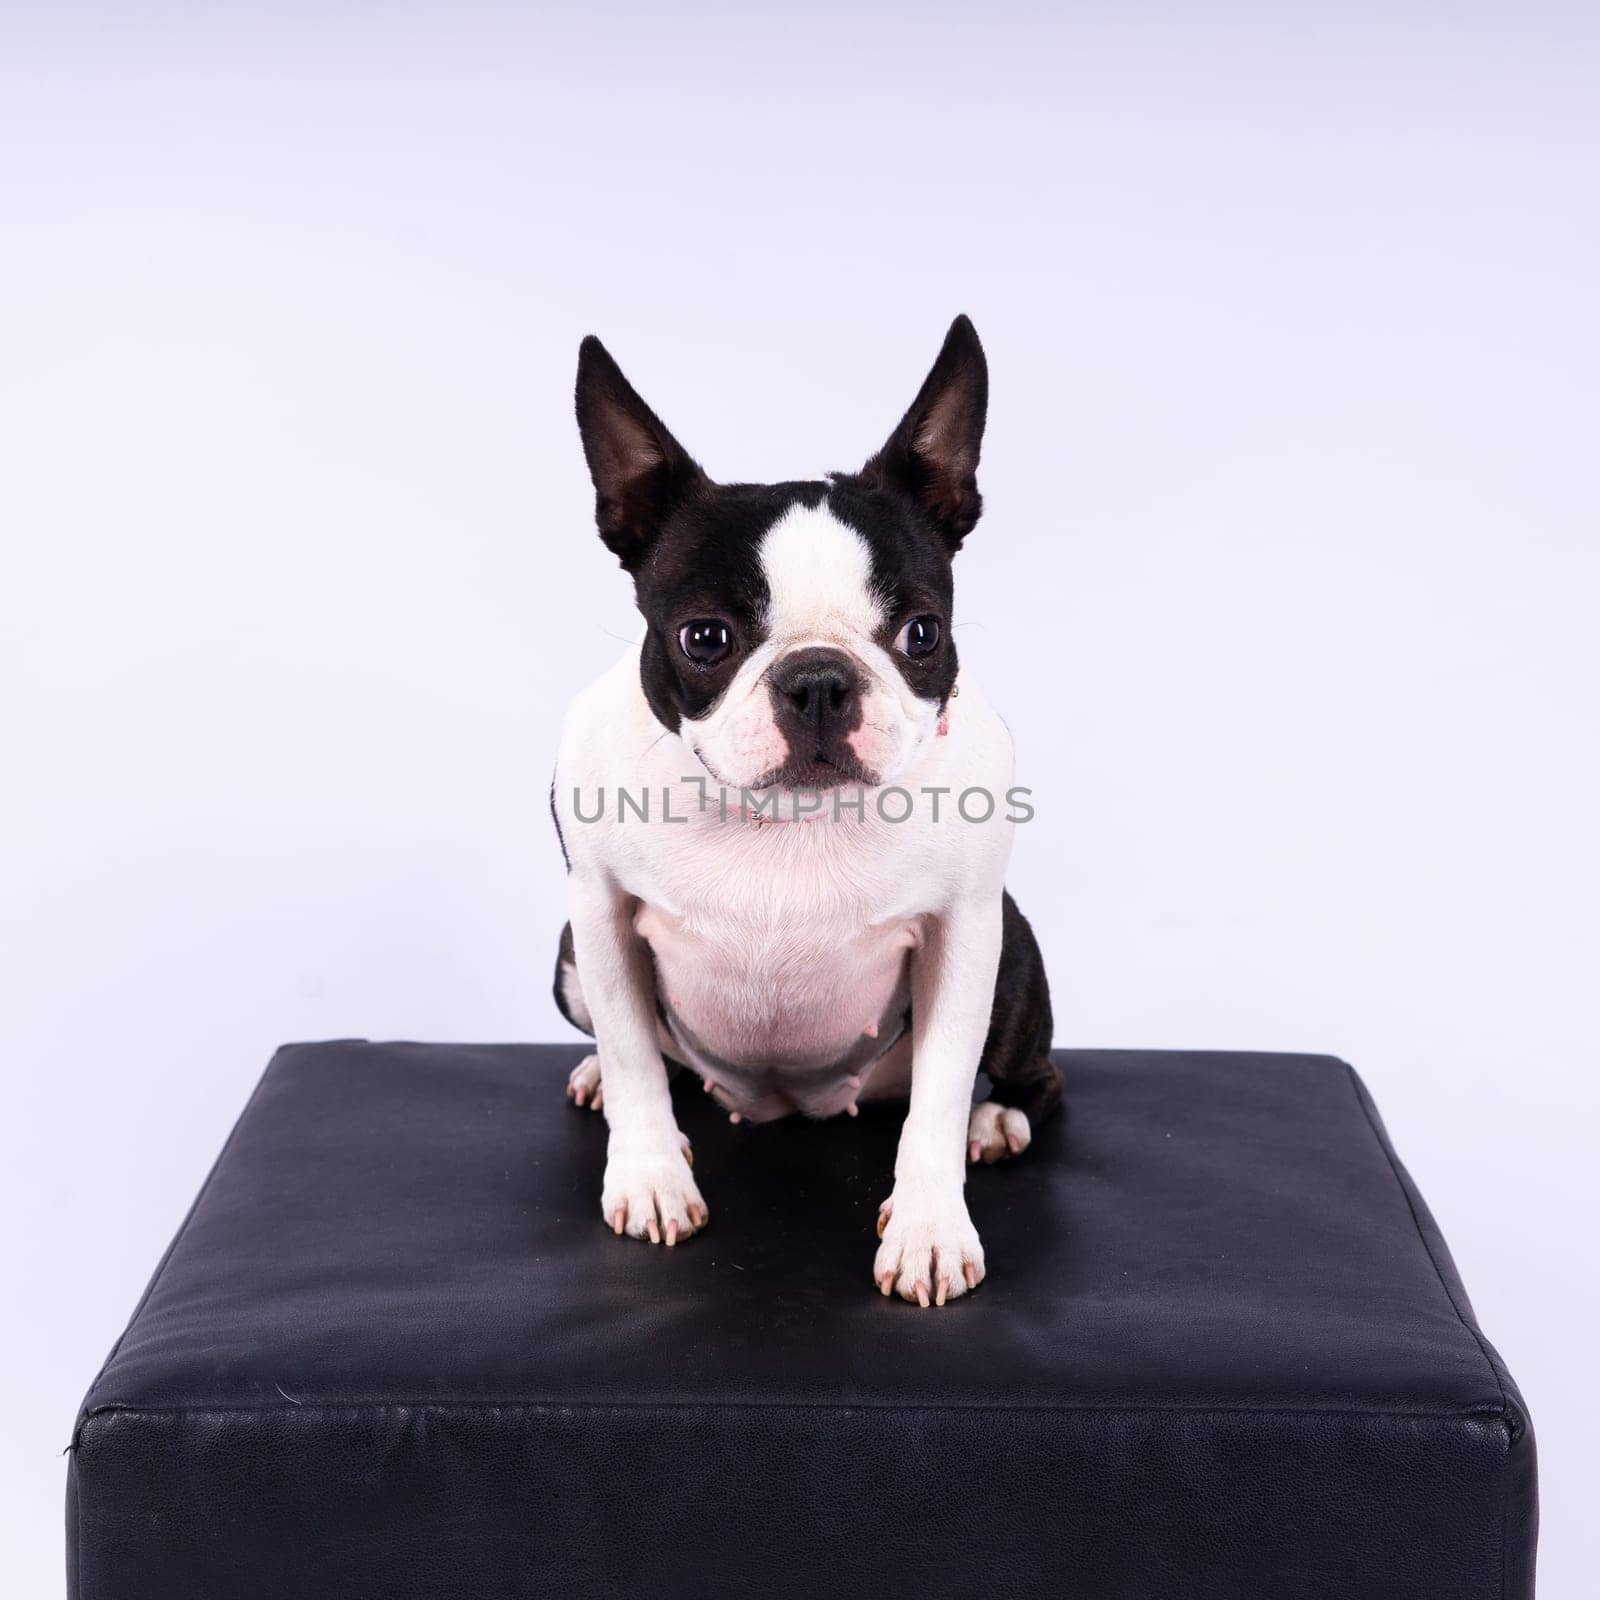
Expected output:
(798, 633)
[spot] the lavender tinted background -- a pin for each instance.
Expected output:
(1287, 583)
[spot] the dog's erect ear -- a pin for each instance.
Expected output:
(639, 470)
(933, 454)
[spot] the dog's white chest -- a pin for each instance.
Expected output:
(781, 995)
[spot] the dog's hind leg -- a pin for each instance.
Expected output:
(583, 1082)
(1025, 1082)
(568, 990)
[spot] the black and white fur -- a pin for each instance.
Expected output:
(798, 966)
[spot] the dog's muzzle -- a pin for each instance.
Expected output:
(817, 696)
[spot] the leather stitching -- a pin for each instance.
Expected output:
(936, 1408)
(1506, 1420)
(177, 1239)
(1416, 1222)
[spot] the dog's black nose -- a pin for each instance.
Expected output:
(817, 693)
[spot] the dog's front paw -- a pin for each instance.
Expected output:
(930, 1251)
(649, 1192)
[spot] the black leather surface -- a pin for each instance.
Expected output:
(1222, 1351)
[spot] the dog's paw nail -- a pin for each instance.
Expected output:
(925, 1246)
(672, 1233)
(619, 1219)
(870, 1031)
(735, 1118)
(974, 1150)
(653, 1228)
(1013, 1143)
(852, 1110)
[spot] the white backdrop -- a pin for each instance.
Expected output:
(1287, 582)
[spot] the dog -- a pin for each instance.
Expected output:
(814, 914)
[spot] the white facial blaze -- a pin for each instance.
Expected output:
(819, 583)
(819, 577)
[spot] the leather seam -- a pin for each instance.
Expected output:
(1505, 1519)
(76, 1554)
(378, 1407)
(172, 1248)
(1422, 1238)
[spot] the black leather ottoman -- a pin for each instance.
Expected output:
(393, 1352)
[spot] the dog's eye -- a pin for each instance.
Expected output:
(706, 640)
(919, 637)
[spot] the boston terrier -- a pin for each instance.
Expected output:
(786, 816)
